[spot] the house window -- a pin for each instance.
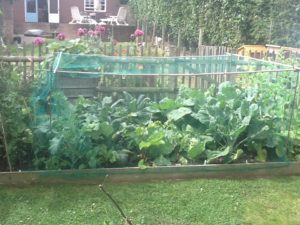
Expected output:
(31, 6)
(95, 5)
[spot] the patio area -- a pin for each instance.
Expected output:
(121, 33)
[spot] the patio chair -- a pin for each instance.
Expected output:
(80, 19)
(119, 19)
(2, 43)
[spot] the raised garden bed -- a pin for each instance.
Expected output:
(134, 174)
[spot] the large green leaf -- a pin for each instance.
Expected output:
(155, 139)
(162, 161)
(188, 102)
(227, 91)
(197, 146)
(238, 154)
(106, 129)
(179, 113)
(55, 145)
(106, 101)
(166, 148)
(202, 116)
(211, 155)
(261, 155)
(168, 104)
(196, 150)
(142, 164)
(237, 132)
(92, 162)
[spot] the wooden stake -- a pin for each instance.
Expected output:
(146, 33)
(163, 37)
(5, 144)
(179, 39)
(153, 33)
(200, 38)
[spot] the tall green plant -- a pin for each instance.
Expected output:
(227, 22)
(16, 118)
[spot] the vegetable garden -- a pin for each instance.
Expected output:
(142, 111)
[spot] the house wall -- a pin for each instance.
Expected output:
(19, 16)
(7, 20)
(20, 26)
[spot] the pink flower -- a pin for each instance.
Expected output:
(138, 33)
(61, 36)
(91, 33)
(96, 33)
(80, 32)
(101, 29)
(39, 41)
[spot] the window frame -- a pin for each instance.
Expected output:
(89, 6)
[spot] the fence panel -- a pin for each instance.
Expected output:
(28, 60)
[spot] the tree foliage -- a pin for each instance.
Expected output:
(15, 119)
(225, 22)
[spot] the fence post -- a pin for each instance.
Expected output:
(163, 37)
(199, 40)
(39, 55)
(153, 33)
(24, 63)
(127, 50)
(104, 48)
(112, 49)
(178, 43)
(149, 50)
(32, 61)
(146, 33)
(112, 33)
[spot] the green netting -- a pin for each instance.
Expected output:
(96, 65)
(215, 109)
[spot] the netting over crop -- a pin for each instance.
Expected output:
(162, 111)
(96, 65)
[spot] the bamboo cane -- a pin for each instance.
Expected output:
(5, 143)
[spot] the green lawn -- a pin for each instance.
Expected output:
(262, 201)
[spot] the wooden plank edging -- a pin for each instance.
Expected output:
(134, 174)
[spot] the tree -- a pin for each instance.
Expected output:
(225, 22)
(1, 19)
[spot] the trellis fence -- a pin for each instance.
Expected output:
(29, 58)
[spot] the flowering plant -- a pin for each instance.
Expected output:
(138, 33)
(91, 33)
(101, 29)
(81, 32)
(39, 41)
(61, 36)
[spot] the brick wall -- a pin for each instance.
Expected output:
(65, 12)
(8, 23)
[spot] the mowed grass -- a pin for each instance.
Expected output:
(261, 201)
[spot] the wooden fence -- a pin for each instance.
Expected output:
(29, 61)
(29, 58)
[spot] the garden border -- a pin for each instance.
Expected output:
(135, 174)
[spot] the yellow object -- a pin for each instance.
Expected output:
(257, 51)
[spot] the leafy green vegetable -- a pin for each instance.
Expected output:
(179, 113)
